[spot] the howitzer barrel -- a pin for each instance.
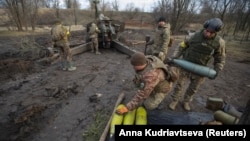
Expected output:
(195, 68)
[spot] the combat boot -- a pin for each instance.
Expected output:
(97, 52)
(64, 66)
(173, 105)
(186, 106)
(71, 67)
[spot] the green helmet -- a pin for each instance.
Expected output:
(214, 24)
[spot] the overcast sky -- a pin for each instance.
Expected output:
(142, 4)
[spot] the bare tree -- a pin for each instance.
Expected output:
(178, 12)
(33, 11)
(207, 7)
(14, 9)
(56, 7)
(76, 7)
(46, 3)
(223, 7)
(23, 13)
(68, 3)
(132, 10)
(115, 5)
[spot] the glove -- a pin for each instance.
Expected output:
(161, 55)
(122, 110)
(217, 72)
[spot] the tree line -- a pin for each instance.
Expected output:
(234, 13)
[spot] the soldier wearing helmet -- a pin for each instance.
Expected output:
(200, 48)
(161, 40)
(60, 38)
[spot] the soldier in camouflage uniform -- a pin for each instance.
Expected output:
(161, 41)
(60, 38)
(154, 80)
(93, 35)
(200, 48)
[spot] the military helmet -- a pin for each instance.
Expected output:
(214, 24)
(138, 59)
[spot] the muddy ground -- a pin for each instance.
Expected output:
(40, 102)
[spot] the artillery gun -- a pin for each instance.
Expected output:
(109, 28)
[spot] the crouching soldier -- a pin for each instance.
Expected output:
(154, 81)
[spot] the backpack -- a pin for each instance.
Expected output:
(57, 33)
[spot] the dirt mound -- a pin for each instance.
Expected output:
(9, 68)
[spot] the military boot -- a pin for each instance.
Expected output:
(186, 106)
(173, 105)
(64, 65)
(97, 52)
(71, 67)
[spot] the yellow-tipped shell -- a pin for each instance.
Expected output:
(116, 119)
(129, 118)
(141, 116)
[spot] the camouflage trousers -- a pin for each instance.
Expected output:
(94, 44)
(64, 51)
(150, 51)
(157, 95)
(195, 83)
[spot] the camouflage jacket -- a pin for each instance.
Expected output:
(149, 80)
(59, 34)
(161, 40)
(93, 31)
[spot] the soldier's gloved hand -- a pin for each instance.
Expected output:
(122, 110)
(217, 73)
(161, 55)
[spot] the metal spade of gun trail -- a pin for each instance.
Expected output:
(195, 68)
(147, 38)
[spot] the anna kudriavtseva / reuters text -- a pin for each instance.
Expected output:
(162, 132)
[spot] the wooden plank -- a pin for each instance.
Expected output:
(106, 130)
(75, 50)
(81, 48)
(123, 48)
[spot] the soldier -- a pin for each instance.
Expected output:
(154, 80)
(161, 41)
(93, 35)
(107, 31)
(60, 38)
(199, 49)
